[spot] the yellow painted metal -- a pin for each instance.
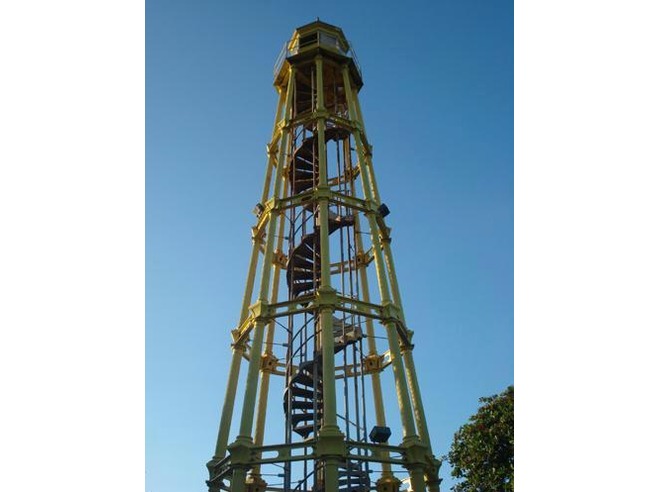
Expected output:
(251, 385)
(263, 394)
(229, 402)
(326, 312)
(271, 153)
(327, 65)
(410, 371)
(238, 349)
(419, 411)
(323, 203)
(380, 415)
(366, 145)
(331, 474)
(417, 476)
(408, 424)
(238, 482)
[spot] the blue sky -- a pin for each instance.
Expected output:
(438, 107)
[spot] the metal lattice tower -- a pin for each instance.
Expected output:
(311, 325)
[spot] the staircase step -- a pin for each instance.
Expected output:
(298, 274)
(338, 221)
(304, 405)
(298, 288)
(300, 185)
(301, 392)
(305, 151)
(303, 378)
(301, 264)
(302, 417)
(304, 430)
(301, 173)
(305, 249)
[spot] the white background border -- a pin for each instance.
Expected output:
(72, 245)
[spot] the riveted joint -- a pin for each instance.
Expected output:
(241, 452)
(261, 312)
(391, 313)
(330, 445)
(406, 347)
(283, 125)
(405, 343)
(322, 193)
(385, 236)
(268, 363)
(272, 205)
(272, 150)
(280, 259)
(371, 208)
(352, 173)
(321, 114)
(415, 453)
(326, 297)
(286, 125)
(239, 340)
(362, 259)
(372, 364)
(258, 234)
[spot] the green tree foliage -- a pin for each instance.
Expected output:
(482, 452)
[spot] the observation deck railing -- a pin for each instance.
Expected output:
(286, 52)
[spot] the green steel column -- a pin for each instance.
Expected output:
(275, 131)
(368, 157)
(229, 401)
(417, 478)
(249, 402)
(259, 431)
(251, 387)
(326, 321)
(330, 430)
(410, 368)
(419, 411)
(323, 203)
(408, 425)
(238, 480)
(238, 351)
(380, 415)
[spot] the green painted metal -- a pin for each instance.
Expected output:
(304, 201)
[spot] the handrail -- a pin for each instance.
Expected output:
(280, 59)
(286, 52)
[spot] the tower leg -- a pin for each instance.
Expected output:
(229, 403)
(417, 478)
(238, 481)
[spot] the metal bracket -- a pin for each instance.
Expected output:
(372, 364)
(261, 311)
(280, 259)
(268, 363)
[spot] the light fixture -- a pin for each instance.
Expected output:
(380, 434)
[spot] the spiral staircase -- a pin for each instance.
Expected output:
(303, 396)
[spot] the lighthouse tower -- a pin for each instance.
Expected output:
(322, 333)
